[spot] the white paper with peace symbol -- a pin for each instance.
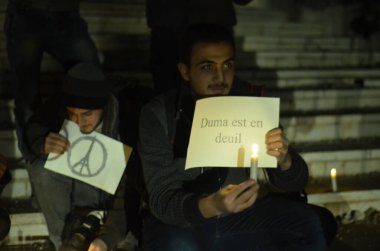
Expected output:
(93, 158)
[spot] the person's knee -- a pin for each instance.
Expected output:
(183, 243)
(328, 222)
(172, 239)
(310, 227)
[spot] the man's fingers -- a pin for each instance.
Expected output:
(241, 188)
(274, 133)
(55, 143)
(247, 203)
(247, 194)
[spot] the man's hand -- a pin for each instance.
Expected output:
(230, 199)
(277, 146)
(55, 143)
(97, 245)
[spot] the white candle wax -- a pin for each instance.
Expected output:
(334, 185)
(254, 162)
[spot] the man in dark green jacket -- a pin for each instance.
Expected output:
(217, 208)
(86, 98)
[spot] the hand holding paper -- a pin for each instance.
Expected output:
(277, 146)
(56, 143)
(92, 158)
(224, 129)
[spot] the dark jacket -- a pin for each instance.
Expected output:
(165, 125)
(180, 13)
(47, 5)
(49, 118)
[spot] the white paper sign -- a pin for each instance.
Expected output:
(93, 158)
(225, 128)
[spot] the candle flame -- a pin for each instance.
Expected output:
(255, 150)
(333, 172)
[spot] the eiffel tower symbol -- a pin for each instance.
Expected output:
(84, 162)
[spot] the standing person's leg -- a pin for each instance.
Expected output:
(53, 192)
(274, 223)
(24, 48)
(70, 43)
(164, 59)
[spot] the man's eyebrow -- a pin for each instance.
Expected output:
(206, 61)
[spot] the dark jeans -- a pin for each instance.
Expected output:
(30, 33)
(57, 195)
(275, 223)
(164, 59)
(5, 224)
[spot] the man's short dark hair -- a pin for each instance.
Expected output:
(206, 33)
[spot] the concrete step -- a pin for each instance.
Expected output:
(302, 60)
(347, 162)
(27, 229)
(286, 29)
(325, 99)
(295, 78)
(344, 202)
(19, 187)
(331, 127)
(9, 144)
(305, 44)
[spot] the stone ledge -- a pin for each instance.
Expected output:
(342, 202)
(26, 229)
(338, 147)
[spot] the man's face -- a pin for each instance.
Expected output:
(87, 120)
(211, 71)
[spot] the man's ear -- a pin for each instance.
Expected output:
(184, 71)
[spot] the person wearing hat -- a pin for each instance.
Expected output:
(85, 98)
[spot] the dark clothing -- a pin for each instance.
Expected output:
(129, 195)
(275, 223)
(57, 194)
(50, 5)
(5, 178)
(5, 224)
(174, 192)
(174, 198)
(32, 28)
(177, 14)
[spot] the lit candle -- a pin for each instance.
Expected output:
(333, 180)
(254, 161)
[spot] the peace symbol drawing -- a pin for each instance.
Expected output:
(87, 166)
(94, 158)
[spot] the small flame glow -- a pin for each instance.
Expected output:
(333, 172)
(255, 150)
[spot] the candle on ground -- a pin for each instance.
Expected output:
(334, 185)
